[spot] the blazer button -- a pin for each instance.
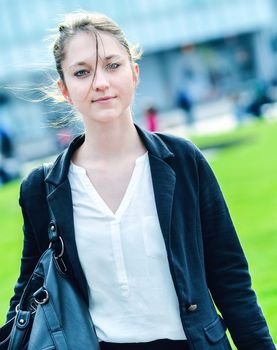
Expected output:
(192, 307)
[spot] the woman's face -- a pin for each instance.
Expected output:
(101, 91)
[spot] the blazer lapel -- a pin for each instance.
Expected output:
(164, 179)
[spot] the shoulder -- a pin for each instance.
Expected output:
(180, 146)
(34, 177)
(33, 184)
(187, 156)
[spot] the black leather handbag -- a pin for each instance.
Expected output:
(51, 313)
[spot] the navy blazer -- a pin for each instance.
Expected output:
(206, 260)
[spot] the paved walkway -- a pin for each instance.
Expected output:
(174, 122)
(211, 118)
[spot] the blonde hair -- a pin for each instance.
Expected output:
(90, 22)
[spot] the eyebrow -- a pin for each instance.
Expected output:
(84, 63)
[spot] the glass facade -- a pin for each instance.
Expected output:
(157, 25)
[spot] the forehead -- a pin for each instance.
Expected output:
(82, 46)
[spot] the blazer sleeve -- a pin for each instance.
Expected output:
(31, 250)
(227, 269)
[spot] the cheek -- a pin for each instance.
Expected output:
(128, 85)
(79, 91)
(127, 94)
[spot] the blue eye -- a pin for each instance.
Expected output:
(113, 66)
(81, 73)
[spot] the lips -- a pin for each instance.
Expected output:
(104, 98)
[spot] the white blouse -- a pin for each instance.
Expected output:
(123, 255)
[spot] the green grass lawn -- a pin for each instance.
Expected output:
(247, 174)
(10, 243)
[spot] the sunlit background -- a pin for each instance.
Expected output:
(208, 72)
(212, 49)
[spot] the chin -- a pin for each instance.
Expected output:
(109, 117)
(106, 119)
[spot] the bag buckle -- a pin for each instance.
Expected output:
(41, 296)
(56, 255)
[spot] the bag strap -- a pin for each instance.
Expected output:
(53, 234)
(56, 242)
(49, 188)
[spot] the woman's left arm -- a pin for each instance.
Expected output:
(227, 271)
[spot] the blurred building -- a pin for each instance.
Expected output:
(207, 47)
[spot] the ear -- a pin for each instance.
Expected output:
(64, 91)
(136, 72)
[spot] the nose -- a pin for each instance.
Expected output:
(100, 82)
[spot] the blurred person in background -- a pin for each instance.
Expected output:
(147, 232)
(7, 157)
(261, 98)
(239, 106)
(184, 101)
(64, 137)
(151, 116)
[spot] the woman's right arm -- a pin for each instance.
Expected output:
(30, 254)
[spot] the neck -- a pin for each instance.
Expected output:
(109, 142)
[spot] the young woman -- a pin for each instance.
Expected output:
(147, 233)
